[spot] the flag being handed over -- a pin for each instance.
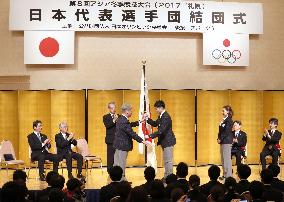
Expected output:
(145, 129)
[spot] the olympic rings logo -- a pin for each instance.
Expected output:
(226, 55)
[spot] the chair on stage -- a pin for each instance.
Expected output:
(83, 149)
(243, 157)
(269, 158)
(61, 163)
(34, 164)
(8, 157)
(245, 152)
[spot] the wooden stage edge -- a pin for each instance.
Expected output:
(96, 178)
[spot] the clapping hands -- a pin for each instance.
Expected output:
(47, 141)
(71, 136)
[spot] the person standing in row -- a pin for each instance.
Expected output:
(124, 134)
(110, 125)
(165, 135)
(225, 139)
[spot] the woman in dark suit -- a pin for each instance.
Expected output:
(225, 139)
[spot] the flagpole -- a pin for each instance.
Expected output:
(144, 70)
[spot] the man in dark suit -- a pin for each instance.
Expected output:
(181, 182)
(269, 194)
(39, 145)
(64, 140)
(213, 173)
(271, 147)
(239, 142)
(276, 182)
(149, 175)
(244, 172)
(110, 123)
(123, 137)
(42, 195)
(256, 190)
(110, 120)
(109, 191)
(165, 134)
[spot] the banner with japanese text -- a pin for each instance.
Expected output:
(141, 16)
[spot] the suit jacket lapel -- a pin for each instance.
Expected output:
(35, 135)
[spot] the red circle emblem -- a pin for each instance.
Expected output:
(49, 47)
(226, 43)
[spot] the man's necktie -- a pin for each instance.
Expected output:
(38, 136)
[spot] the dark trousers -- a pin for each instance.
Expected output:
(238, 154)
(265, 152)
(41, 157)
(73, 155)
(110, 156)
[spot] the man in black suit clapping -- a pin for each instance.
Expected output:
(239, 142)
(39, 145)
(271, 147)
(64, 140)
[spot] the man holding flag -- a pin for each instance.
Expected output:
(166, 137)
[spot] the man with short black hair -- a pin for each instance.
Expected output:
(74, 191)
(239, 142)
(20, 177)
(213, 173)
(149, 174)
(157, 191)
(57, 182)
(39, 145)
(43, 194)
(56, 195)
(181, 172)
(271, 147)
(276, 182)
(256, 190)
(165, 135)
(269, 194)
(13, 192)
(109, 191)
(244, 172)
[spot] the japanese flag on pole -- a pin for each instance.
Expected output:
(49, 47)
(145, 129)
(225, 49)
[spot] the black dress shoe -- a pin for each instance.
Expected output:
(42, 177)
(80, 175)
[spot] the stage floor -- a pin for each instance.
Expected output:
(96, 179)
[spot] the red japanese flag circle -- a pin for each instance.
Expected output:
(49, 47)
